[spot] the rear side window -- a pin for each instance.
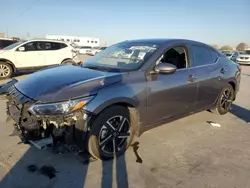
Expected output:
(52, 46)
(214, 56)
(62, 45)
(57, 46)
(202, 56)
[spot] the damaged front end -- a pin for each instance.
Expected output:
(61, 123)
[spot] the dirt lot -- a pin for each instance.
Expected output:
(188, 153)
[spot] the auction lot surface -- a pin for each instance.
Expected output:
(187, 153)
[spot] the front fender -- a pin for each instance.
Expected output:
(113, 101)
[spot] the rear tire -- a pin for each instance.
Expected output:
(6, 70)
(225, 100)
(112, 132)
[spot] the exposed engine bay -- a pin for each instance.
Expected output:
(68, 129)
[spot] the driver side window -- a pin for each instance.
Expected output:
(176, 56)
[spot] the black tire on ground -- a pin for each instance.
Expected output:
(225, 100)
(69, 61)
(103, 138)
(6, 70)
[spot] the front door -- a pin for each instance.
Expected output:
(171, 95)
(30, 56)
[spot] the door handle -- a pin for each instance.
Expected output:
(191, 78)
(222, 71)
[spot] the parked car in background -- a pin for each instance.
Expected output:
(34, 55)
(84, 49)
(244, 58)
(226, 51)
(107, 101)
(4, 42)
(95, 50)
(232, 55)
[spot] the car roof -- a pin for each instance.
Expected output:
(5, 39)
(165, 40)
(47, 40)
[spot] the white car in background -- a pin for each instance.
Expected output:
(95, 50)
(84, 49)
(34, 55)
(244, 58)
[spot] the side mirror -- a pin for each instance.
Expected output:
(165, 68)
(21, 49)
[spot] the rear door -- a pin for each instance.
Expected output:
(206, 71)
(55, 52)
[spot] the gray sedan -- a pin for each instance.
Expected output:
(107, 101)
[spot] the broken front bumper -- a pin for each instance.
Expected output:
(72, 127)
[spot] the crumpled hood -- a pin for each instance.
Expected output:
(65, 82)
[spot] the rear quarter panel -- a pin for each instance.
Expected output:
(231, 67)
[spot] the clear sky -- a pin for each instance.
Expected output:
(212, 21)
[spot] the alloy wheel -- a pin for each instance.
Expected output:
(4, 71)
(113, 134)
(226, 99)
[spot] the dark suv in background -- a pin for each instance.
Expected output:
(6, 42)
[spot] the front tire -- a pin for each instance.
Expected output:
(111, 133)
(6, 70)
(225, 100)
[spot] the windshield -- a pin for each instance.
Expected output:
(14, 45)
(125, 56)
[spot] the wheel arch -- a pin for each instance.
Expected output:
(233, 84)
(128, 103)
(10, 63)
(67, 59)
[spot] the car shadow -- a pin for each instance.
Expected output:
(240, 112)
(45, 169)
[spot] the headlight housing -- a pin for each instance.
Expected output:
(59, 108)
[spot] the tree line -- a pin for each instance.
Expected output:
(240, 47)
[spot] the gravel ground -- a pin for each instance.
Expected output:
(187, 153)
